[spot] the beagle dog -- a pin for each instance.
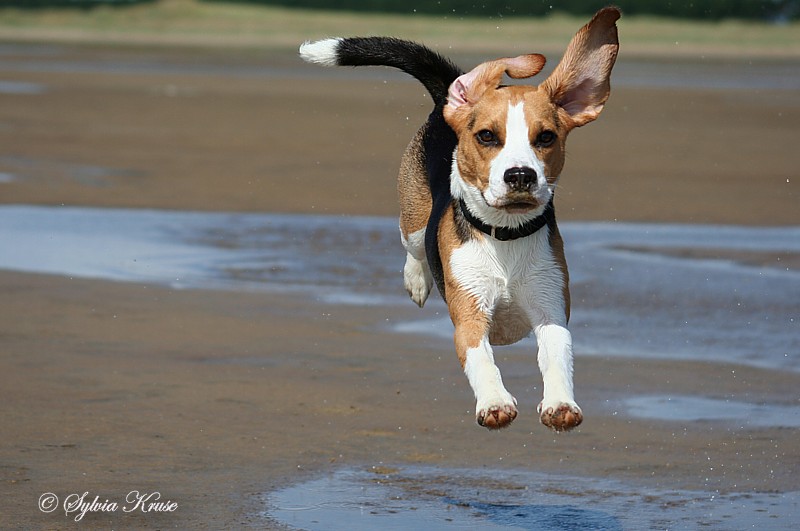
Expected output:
(476, 187)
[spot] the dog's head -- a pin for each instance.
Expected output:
(511, 138)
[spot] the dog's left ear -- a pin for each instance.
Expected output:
(468, 88)
(580, 84)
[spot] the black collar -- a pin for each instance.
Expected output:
(505, 234)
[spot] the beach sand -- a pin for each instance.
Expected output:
(213, 398)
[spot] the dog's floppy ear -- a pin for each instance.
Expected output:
(468, 88)
(580, 84)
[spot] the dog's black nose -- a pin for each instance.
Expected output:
(520, 179)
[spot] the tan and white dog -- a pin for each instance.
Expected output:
(476, 189)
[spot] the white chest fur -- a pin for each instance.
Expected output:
(517, 283)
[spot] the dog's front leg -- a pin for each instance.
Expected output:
(495, 407)
(558, 409)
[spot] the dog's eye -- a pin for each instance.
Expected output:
(545, 138)
(486, 137)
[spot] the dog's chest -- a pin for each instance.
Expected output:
(517, 283)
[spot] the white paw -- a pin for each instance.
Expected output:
(417, 279)
(496, 411)
(560, 416)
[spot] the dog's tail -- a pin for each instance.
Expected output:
(435, 72)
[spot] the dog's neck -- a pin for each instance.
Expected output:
(510, 233)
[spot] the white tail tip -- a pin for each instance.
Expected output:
(321, 52)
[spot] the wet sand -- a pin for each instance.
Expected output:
(213, 398)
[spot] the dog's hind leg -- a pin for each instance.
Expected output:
(417, 276)
(415, 208)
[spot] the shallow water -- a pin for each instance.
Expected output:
(683, 409)
(434, 499)
(708, 293)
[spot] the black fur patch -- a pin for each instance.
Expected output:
(434, 71)
(438, 145)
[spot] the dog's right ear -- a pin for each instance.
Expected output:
(468, 88)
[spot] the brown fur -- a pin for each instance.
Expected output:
(470, 322)
(412, 188)
(557, 247)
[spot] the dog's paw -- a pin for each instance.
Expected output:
(497, 413)
(561, 416)
(418, 280)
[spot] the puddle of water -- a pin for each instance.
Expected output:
(696, 308)
(437, 499)
(697, 408)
